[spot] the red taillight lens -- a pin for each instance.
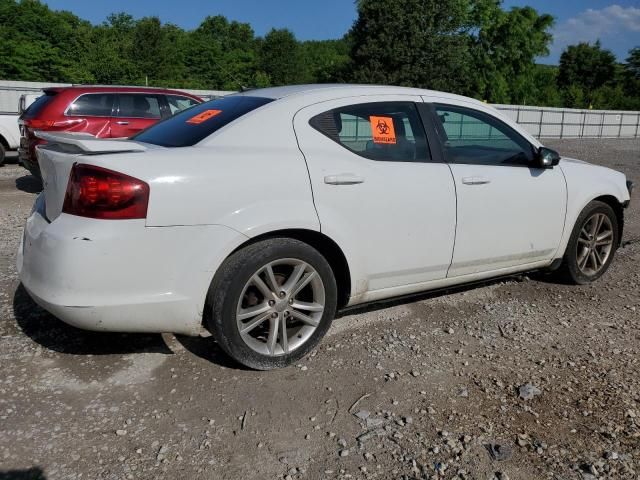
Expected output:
(37, 124)
(96, 192)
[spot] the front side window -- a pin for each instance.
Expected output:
(384, 131)
(92, 105)
(178, 103)
(137, 105)
(474, 137)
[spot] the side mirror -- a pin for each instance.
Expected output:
(547, 158)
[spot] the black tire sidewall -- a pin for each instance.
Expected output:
(3, 154)
(570, 258)
(229, 282)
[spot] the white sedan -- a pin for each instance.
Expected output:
(257, 215)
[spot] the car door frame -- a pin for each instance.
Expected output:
(434, 125)
(364, 290)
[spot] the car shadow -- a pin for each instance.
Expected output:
(35, 473)
(53, 334)
(29, 184)
(207, 349)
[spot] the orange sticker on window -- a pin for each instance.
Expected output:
(203, 117)
(383, 130)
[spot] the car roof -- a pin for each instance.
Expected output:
(116, 89)
(337, 89)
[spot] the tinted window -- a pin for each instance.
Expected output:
(39, 103)
(92, 104)
(478, 138)
(387, 131)
(195, 124)
(178, 103)
(136, 105)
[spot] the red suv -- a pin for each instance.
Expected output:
(106, 112)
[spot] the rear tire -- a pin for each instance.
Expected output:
(271, 303)
(3, 154)
(592, 244)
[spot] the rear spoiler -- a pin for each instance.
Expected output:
(87, 144)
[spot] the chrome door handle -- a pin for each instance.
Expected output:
(343, 179)
(475, 180)
(122, 123)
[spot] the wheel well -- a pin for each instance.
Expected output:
(618, 209)
(4, 142)
(327, 247)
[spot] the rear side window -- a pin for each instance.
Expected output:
(92, 105)
(137, 105)
(178, 103)
(38, 105)
(189, 127)
(385, 131)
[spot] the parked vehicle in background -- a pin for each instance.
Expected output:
(14, 96)
(278, 206)
(9, 134)
(104, 112)
(26, 99)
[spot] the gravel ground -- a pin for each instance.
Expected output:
(520, 378)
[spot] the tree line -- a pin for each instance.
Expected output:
(471, 47)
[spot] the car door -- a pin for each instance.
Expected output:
(135, 112)
(378, 190)
(510, 212)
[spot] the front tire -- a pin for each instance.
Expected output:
(592, 244)
(271, 303)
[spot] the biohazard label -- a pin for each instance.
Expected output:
(203, 117)
(383, 130)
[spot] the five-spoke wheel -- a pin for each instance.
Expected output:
(592, 244)
(271, 302)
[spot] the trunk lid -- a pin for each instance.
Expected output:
(59, 155)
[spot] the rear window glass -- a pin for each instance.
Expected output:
(92, 105)
(195, 124)
(178, 103)
(138, 105)
(36, 107)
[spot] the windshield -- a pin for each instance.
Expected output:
(196, 123)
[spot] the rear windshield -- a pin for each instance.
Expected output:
(36, 107)
(195, 124)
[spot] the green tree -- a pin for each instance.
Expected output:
(505, 49)
(112, 56)
(281, 57)
(324, 61)
(587, 67)
(633, 62)
(419, 43)
(41, 45)
(221, 55)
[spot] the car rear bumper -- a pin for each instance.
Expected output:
(120, 275)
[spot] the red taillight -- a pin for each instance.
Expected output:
(96, 192)
(37, 124)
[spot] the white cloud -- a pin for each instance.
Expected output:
(612, 22)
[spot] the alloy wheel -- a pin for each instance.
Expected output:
(280, 307)
(595, 244)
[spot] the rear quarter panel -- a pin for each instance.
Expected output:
(249, 176)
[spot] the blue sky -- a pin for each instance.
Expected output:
(615, 22)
